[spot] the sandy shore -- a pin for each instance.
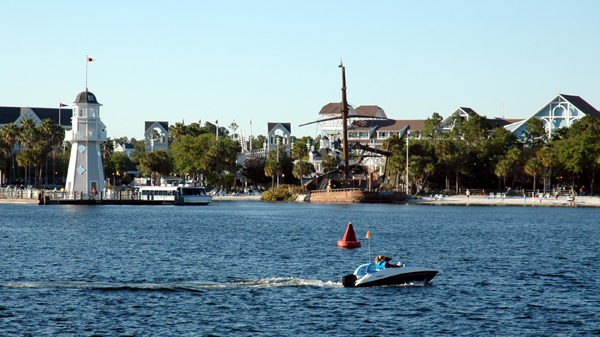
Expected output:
(18, 201)
(480, 200)
(235, 198)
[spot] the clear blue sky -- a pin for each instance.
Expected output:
(276, 61)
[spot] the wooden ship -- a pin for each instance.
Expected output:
(354, 183)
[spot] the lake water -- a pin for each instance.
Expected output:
(272, 269)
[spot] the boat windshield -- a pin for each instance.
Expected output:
(368, 268)
(193, 191)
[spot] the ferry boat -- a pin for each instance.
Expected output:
(178, 195)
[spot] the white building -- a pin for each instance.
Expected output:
(86, 171)
(562, 111)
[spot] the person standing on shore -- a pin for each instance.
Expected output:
(468, 193)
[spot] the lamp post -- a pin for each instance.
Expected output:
(407, 189)
(277, 141)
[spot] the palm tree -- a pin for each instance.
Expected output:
(27, 136)
(534, 167)
(28, 133)
(273, 169)
(177, 131)
(503, 168)
(53, 134)
(10, 133)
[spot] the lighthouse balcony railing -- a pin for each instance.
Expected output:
(82, 135)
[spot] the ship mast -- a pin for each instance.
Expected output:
(345, 121)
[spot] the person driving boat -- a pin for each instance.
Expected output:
(382, 262)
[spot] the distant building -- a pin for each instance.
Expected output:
(126, 148)
(372, 127)
(282, 133)
(156, 135)
(562, 111)
(16, 115)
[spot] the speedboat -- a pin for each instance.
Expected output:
(368, 276)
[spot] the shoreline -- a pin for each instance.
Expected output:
(479, 200)
(450, 200)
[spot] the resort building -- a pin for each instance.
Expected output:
(372, 127)
(126, 148)
(16, 115)
(156, 136)
(562, 111)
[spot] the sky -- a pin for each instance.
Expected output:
(277, 61)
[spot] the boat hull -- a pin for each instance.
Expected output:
(356, 196)
(390, 276)
(196, 200)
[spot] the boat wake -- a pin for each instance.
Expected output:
(284, 282)
(176, 286)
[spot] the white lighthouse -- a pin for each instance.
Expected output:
(86, 172)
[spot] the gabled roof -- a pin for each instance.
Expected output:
(502, 121)
(582, 105)
(126, 145)
(287, 126)
(164, 125)
(370, 111)
(62, 116)
(466, 110)
(9, 114)
(413, 124)
(331, 109)
(576, 101)
(383, 124)
(388, 125)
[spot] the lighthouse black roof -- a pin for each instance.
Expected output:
(86, 97)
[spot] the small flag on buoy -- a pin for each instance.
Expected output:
(368, 234)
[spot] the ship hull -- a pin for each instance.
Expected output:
(356, 196)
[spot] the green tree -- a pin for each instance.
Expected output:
(549, 159)
(578, 153)
(156, 163)
(10, 133)
(189, 154)
(330, 163)
(535, 133)
(515, 156)
(534, 167)
(273, 169)
(503, 169)
(433, 127)
(116, 165)
(303, 168)
(254, 170)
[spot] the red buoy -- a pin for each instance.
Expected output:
(349, 240)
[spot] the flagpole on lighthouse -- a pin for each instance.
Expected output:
(87, 60)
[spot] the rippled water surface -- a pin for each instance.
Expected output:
(272, 269)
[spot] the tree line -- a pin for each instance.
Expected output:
(31, 154)
(477, 154)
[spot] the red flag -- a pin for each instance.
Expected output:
(217, 122)
(89, 59)
(368, 234)
(61, 105)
